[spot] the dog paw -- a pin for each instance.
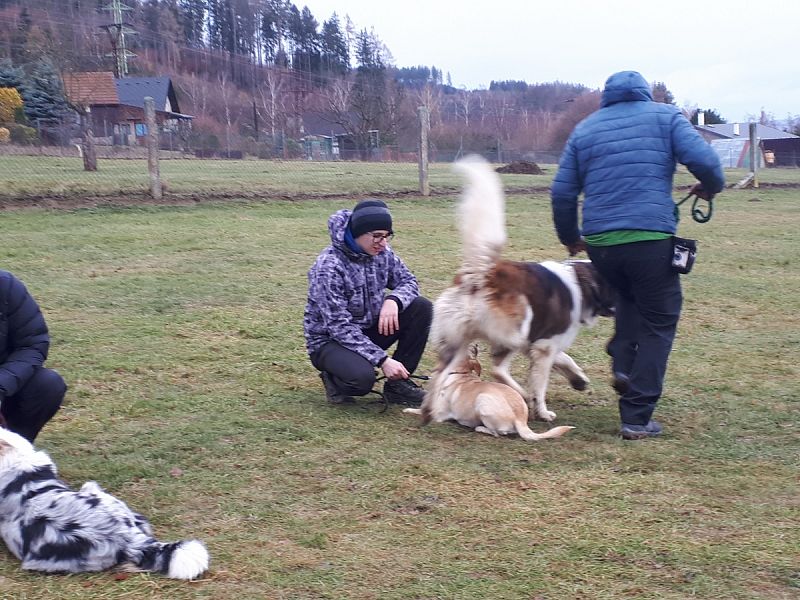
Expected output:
(579, 384)
(547, 415)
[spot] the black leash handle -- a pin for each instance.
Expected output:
(697, 212)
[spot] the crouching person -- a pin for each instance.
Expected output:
(362, 299)
(30, 394)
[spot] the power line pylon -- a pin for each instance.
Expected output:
(116, 33)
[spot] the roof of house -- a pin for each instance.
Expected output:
(133, 90)
(316, 123)
(94, 87)
(727, 130)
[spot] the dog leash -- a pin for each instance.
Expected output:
(420, 377)
(697, 212)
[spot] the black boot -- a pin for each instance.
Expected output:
(403, 391)
(332, 392)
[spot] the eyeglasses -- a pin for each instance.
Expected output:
(377, 238)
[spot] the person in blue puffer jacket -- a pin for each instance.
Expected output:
(622, 158)
(362, 298)
(30, 394)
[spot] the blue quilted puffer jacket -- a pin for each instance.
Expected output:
(622, 158)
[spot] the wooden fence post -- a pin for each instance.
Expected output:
(152, 148)
(89, 153)
(754, 153)
(424, 128)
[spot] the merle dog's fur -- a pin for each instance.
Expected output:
(51, 527)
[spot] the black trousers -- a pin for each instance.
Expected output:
(647, 311)
(353, 374)
(35, 403)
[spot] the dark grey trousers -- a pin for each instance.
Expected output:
(353, 374)
(647, 313)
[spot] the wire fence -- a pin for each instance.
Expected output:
(305, 168)
(313, 167)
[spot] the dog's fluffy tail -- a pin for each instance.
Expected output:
(178, 560)
(481, 214)
(526, 433)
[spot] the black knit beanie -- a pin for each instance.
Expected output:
(370, 215)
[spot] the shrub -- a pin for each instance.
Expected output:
(5, 135)
(22, 135)
(10, 102)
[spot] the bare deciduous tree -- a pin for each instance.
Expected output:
(273, 94)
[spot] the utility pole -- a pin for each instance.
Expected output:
(116, 33)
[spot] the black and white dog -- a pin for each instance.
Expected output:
(51, 527)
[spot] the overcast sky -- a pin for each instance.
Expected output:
(735, 56)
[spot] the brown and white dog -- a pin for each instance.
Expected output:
(485, 406)
(534, 308)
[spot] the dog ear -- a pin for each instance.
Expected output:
(5, 447)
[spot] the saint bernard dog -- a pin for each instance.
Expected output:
(53, 528)
(532, 308)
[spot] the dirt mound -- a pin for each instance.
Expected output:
(523, 167)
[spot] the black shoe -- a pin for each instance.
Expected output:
(621, 383)
(403, 391)
(637, 432)
(332, 392)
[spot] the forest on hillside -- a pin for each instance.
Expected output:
(256, 74)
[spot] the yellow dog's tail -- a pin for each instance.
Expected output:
(526, 433)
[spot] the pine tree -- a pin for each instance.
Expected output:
(274, 19)
(333, 46)
(662, 94)
(10, 76)
(192, 17)
(43, 94)
(710, 116)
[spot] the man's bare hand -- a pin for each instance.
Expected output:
(700, 192)
(388, 320)
(394, 369)
(576, 247)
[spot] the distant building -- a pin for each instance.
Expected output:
(326, 140)
(731, 141)
(117, 105)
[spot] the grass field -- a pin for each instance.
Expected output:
(62, 180)
(178, 330)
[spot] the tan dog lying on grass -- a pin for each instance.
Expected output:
(486, 406)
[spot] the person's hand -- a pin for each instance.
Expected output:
(576, 247)
(388, 321)
(700, 192)
(394, 369)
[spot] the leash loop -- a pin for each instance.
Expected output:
(697, 212)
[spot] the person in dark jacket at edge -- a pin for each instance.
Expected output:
(623, 158)
(351, 320)
(30, 394)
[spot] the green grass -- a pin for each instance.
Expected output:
(179, 332)
(63, 179)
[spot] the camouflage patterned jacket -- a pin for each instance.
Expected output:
(346, 291)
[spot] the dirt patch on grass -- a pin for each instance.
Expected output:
(71, 202)
(521, 167)
(133, 200)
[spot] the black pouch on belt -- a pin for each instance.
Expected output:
(684, 252)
